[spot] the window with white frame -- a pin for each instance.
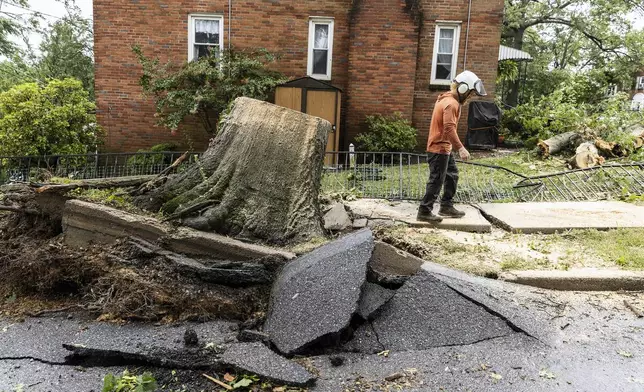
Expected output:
(320, 48)
(205, 35)
(445, 53)
(639, 83)
(611, 90)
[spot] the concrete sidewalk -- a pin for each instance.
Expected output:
(405, 211)
(548, 218)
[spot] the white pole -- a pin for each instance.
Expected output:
(352, 156)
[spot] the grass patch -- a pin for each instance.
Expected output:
(309, 245)
(516, 263)
(623, 247)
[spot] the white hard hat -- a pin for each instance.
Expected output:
(467, 81)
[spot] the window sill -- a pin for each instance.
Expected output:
(439, 87)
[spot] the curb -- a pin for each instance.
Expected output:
(578, 280)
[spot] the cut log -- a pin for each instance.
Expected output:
(609, 149)
(264, 169)
(586, 155)
(638, 134)
(558, 143)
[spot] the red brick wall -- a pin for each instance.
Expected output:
(381, 55)
(161, 29)
(382, 62)
(482, 53)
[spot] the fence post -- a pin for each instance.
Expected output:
(352, 155)
(400, 165)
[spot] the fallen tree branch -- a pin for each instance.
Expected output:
(50, 311)
(558, 143)
(107, 183)
(160, 178)
(633, 309)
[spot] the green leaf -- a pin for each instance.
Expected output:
(244, 382)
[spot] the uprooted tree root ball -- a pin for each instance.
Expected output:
(35, 264)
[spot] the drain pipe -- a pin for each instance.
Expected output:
(467, 34)
(230, 21)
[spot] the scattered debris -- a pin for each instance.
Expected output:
(190, 337)
(633, 309)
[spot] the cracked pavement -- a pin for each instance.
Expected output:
(490, 336)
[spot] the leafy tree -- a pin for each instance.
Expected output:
(56, 118)
(206, 87)
(67, 51)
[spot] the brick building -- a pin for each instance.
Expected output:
(386, 55)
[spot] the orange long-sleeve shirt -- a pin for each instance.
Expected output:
(442, 131)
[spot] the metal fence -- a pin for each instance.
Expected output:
(86, 166)
(393, 176)
(403, 176)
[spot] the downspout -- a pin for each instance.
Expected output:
(230, 21)
(467, 34)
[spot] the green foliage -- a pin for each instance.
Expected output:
(67, 52)
(388, 134)
(507, 71)
(565, 110)
(55, 118)
(206, 87)
(128, 382)
(148, 159)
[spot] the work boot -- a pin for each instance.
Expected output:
(451, 212)
(428, 216)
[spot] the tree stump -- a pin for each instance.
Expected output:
(259, 179)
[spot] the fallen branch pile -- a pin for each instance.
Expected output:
(589, 150)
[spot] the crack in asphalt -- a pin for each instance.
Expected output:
(493, 312)
(27, 358)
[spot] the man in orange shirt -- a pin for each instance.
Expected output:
(443, 172)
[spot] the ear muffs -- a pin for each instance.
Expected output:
(463, 88)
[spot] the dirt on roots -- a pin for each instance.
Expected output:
(39, 273)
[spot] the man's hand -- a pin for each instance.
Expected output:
(464, 154)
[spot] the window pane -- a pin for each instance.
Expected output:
(444, 59)
(206, 31)
(445, 46)
(320, 58)
(321, 36)
(444, 71)
(447, 33)
(204, 50)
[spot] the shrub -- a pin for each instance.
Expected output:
(128, 382)
(206, 87)
(52, 119)
(388, 133)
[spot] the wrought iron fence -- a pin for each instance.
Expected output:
(403, 176)
(86, 166)
(393, 176)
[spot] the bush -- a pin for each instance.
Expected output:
(388, 134)
(52, 119)
(206, 87)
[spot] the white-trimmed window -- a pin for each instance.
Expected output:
(445, 53)
(611, 90)
(205, 35)
(320, 48)
(639, 83)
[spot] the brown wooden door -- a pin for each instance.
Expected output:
(289, 97)
(326, 105)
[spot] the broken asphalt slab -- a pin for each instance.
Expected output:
(17, 339)
(256, 358)
(404, 211)
(548, 218)
(315, 296)
(373, 298)
(426, 313)
(499, 298)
